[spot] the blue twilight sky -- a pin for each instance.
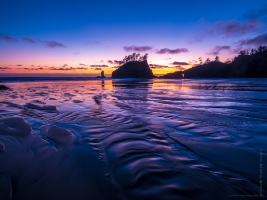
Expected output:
(84, 37)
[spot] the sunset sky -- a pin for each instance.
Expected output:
(84, 37)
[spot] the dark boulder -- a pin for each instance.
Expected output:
(102, 75)
(3, 87)
(133, 69)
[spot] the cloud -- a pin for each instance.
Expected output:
(179, 67)
(236, 28)
(98, 66)
(65, 65)
(167, 58)
(171, 51)
(156, 66)
(118, 62)
(19, 65)
(4, 68)
(29, 40)
(257, 14)
(95, 42)
(61, 68)
(8, 38)
(237, 50)
(256, 41)
(179, 63)
(193, 62)
(115, 62)
(231, 28)
(83, 64)
(39, 68)
(84, 68)
(137, 48)
(76, 53)
(217, 50)
(53, 44)
(201, 20)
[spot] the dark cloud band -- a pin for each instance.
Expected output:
(172, 51)
(134, 48)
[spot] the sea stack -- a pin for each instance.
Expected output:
(133, 69)
(102, 75)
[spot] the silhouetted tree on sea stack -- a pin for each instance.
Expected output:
(200, 60)
(244, 52)
(134, 57)
(207, 61)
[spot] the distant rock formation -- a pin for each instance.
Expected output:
(3, 87)
(102, 75)
(243, 66)
(133, 69)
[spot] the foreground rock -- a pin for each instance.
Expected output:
(14, 126)
(45, 107)
(3, 87)
(133, 69)
(48, 164)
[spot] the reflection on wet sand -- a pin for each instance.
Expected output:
(145, 139)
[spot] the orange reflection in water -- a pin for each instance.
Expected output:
(170, 84)
(97, 84)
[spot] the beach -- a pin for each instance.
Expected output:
(133, 139)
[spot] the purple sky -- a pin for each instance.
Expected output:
(78, 37)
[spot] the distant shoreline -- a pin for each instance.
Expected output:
(46, 79)
(37, 79)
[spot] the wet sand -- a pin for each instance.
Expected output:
(125, 139)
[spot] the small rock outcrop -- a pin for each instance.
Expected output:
(3, 87)
(102, 75)
(133, 69)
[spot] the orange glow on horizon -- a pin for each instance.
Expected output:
(28, 69)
